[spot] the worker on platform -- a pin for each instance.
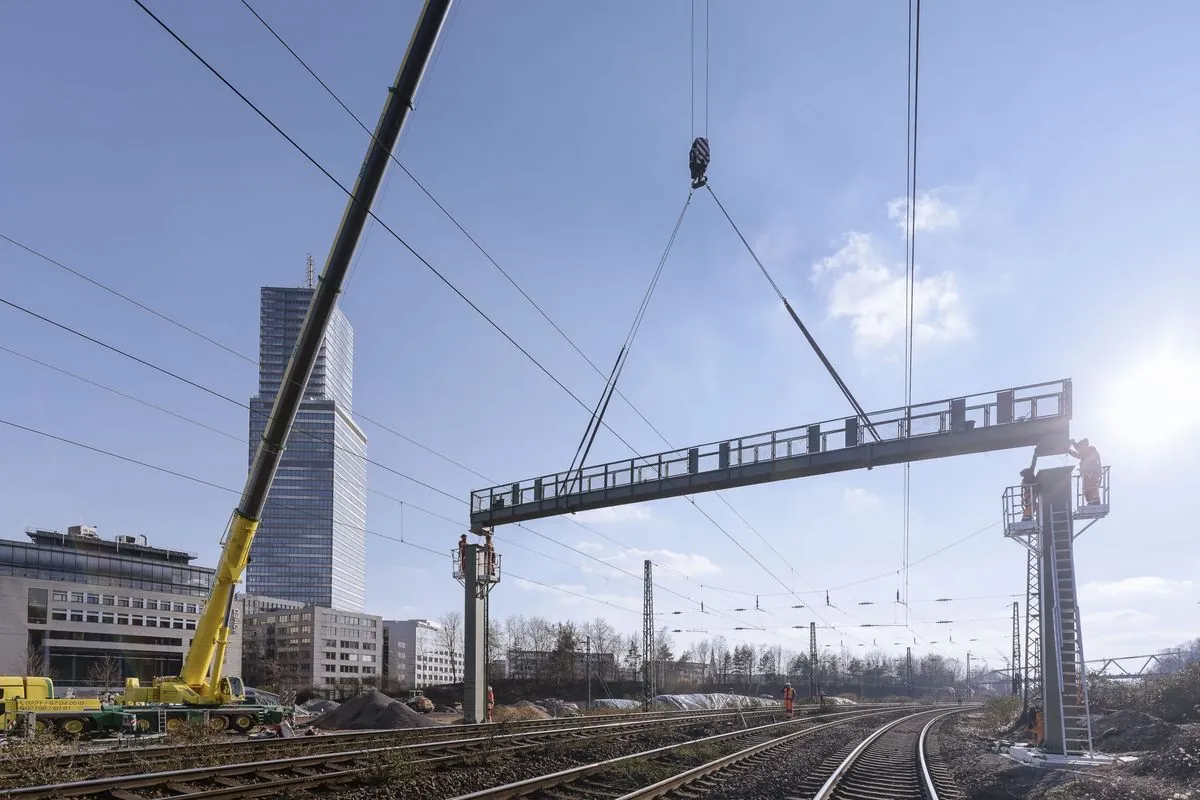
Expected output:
(462, 554)
(491, 703)
(1089, 469)
(789, 698)
(491, 554)
(1028, 493)
(821, 697)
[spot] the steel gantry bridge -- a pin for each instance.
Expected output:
(1036, 415)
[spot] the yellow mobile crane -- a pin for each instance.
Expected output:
(201, 682)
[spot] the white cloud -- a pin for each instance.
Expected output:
(690, 565)
(614, 514)
(1143, 587)
(870, 293)
(859, 499)
(932, 213)
(594, 547)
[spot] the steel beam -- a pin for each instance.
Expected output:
(1028, 416)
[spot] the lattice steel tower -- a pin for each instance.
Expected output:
(812, 660)
(1016, 649)
(648, 691)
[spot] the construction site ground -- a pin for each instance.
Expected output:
(1168, 769)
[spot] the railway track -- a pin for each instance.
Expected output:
(262, 777)
(596, 780)
(894, 762)
(121, 761)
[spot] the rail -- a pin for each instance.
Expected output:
(562, 777)
(1031, 415)
(352, 750)
(834, 785)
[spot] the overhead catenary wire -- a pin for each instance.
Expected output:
(910, 255)
(213, 485)
(225, 434)
(509, 540)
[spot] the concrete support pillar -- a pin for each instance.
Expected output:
(475, 598)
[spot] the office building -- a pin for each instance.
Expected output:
(288, 648)
(93, 612)
(311, 543)
(419, 653)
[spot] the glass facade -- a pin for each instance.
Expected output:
(55, 557)
(311, 543)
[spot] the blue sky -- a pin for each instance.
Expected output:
(1056, 239)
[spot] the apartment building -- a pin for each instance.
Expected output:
(419, 653)
(289, 647)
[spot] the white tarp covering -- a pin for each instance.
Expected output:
(699, 702)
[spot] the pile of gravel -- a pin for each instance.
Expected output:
(320, 706)
(1128, 731)
(537, 711)
(373, 711)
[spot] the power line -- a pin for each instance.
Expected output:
(456, 523)
(910, 255)
(193, 479)
(235, 438)
(557, 328)
(428, 265)
(128, 299)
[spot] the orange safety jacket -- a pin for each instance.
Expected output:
(789, 693)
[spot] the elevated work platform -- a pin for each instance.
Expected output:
(1037, 415)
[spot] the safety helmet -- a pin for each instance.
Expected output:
(787, 686)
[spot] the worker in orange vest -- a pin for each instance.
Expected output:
(491, 555)
(491, 704)
(1028, 494)
(1089, 469)
(789, 698)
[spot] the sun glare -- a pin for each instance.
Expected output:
(1151, 401)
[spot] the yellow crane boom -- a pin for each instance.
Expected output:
(200, 681)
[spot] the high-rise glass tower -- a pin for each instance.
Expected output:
(311, 543)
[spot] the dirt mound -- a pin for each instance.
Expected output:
(1127, 731)
(373, 711)
(1177, 758)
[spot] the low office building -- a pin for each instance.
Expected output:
(419, 653)
(90, 612)
(289, 647)
(543, 664)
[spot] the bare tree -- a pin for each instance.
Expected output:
(270, 672)
(604, 640)
(450, 639)
(35, 663)
(105, 673)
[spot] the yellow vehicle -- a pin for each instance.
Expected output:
(35, 696)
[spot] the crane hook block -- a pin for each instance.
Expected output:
(698, 161)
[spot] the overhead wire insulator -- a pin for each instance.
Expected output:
(698, 159)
